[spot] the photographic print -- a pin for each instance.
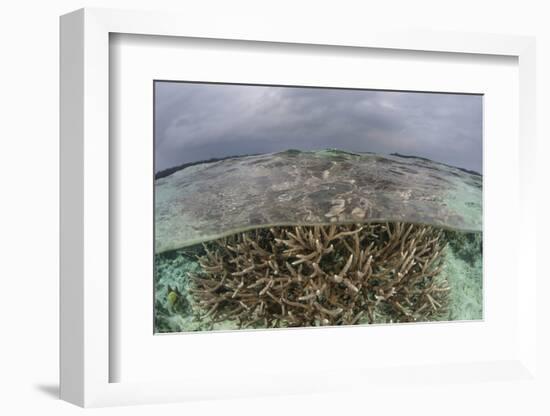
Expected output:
(289, 206)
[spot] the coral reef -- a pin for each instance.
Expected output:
(466, 246)
(172, 300)
(323, 275)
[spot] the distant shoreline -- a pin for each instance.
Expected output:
(169, 171)
(471, 172)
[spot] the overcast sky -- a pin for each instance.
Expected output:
(202, 121)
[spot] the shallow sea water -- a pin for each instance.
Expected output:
(463, 269)
(208, 201)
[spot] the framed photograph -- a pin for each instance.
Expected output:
(268, 212)
(288, 206)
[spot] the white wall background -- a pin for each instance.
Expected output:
(29, 205)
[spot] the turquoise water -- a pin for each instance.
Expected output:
(464, 272)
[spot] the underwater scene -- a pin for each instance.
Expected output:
(311, 236)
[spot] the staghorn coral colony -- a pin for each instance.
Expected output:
(323, 275)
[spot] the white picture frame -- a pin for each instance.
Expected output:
(85, 352)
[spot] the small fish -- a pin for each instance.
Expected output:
(172, 298)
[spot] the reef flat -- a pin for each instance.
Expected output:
(212, 200)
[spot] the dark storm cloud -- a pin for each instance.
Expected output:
(201, 121)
